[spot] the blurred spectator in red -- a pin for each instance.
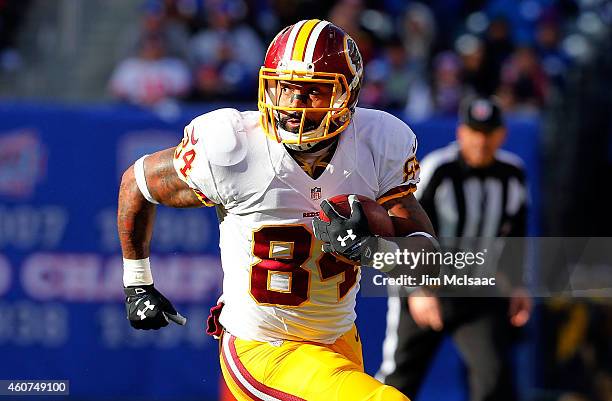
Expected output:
(347, 15)
(418, 30)
(524, 82)
(447, 85)
(152, 76)
(227, 55)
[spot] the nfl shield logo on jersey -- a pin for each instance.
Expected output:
(315, 193)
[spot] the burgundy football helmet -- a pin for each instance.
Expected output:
(311, 51)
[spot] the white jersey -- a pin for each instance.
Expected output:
(277, 283)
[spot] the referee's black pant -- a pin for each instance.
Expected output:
(481, 331)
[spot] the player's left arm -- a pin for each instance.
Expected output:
(410, 220)
(398, 173)
(408, 216)
(398, 177)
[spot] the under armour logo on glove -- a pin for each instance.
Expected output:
(143, 312)
(148, 309)
(349, 235)
(342, 235)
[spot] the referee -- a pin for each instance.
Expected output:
(469, 189)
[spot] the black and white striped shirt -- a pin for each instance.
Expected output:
(462, 201)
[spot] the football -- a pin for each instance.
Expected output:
(379, 221)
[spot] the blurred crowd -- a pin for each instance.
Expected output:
(419, 58)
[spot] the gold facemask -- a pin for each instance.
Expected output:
(337, 115)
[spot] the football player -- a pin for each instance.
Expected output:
(288, 307)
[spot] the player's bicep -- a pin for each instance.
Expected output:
(395, 159)
(164, 183)
(408, 215)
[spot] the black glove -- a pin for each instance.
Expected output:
(148, 309)
(342, 235)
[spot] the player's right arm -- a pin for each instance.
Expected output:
(179, 177)
(146, 307)
(135, 215)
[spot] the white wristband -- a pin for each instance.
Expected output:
(420, 234)
(390, 247)
(426, 235)
(137, 272)
(141, 181)
(411, 290)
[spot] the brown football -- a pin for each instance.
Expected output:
(378, 219)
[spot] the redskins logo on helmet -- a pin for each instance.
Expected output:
(311, 51)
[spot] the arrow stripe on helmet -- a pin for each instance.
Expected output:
(312, 41)
(302, 39)
(291, 40)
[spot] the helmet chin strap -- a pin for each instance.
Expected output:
(300, 148)
(317, 132)
(293, 146)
